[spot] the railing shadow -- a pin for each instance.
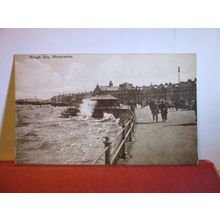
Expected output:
(143, 122)
(183, 124)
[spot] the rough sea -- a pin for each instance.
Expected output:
(43, 137)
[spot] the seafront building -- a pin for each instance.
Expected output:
(177, 93)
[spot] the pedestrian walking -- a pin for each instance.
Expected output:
(154, 110)
(163, 110)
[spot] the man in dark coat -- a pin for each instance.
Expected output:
(154, 110)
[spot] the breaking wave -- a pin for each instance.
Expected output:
(86, 108)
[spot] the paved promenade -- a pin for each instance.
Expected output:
(163, 143)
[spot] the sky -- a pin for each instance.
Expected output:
(43, 76)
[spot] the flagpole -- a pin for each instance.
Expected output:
(178, 74)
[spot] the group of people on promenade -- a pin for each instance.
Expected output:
(161, 107)
(157, 108)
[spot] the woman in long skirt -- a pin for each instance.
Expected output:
(163, 110)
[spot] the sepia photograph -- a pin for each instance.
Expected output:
(106, 109)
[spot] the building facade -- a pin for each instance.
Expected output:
(180, 93)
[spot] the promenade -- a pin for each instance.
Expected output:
(172, 142)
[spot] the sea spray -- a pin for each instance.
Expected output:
(108, 116)
(86, 108)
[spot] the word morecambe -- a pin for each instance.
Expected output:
(49, 56)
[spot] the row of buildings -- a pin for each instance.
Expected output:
(180, 94)
(177, 93)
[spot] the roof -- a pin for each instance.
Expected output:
(109, 88)
(103, 97)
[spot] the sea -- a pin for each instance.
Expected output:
(43, 137)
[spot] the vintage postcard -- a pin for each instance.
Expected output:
(106, 109)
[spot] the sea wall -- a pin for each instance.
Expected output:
(117, 112)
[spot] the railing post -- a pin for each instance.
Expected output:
(130, 127)
(107, 152)
(133, 121)
(123, 152)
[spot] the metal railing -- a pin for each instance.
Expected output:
(116, 148)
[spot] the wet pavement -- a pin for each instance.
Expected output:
(172, 142)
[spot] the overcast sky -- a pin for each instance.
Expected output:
(45, 77)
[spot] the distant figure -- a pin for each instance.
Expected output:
(163, 110)
(154, 109)
(132, 107)
(143, 104)
(194, 107)
(176, 105)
